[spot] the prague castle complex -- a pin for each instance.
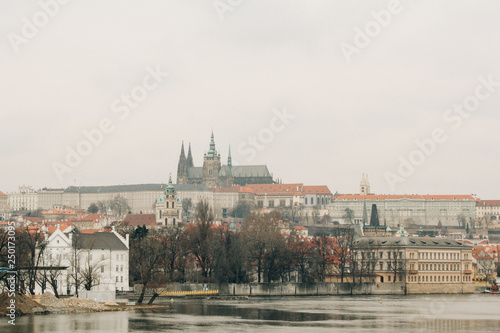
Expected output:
(214, 174)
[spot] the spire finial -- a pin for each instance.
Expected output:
(229, 159)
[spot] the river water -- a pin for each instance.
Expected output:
(435, 313)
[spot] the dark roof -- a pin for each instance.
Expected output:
(132, 188)
(195, 172)
(99, 240)
(115, 188)
(408, 242)
(241, 171)
(134, 220)
(237, 171)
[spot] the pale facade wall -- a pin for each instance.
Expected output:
(424, 266)
(224, 202)
(24, 199)
(396, 211)
(112, 266)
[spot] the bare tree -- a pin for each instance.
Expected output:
(90, 269)
(397, 263)
(263, 239)
(187, 204)
(343, 239)
(293, 212)
(348, 215)
(146, 255)
(461, 220)
(198, 237)
(53, 274)
(31, 246)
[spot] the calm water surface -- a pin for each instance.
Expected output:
(457, 313)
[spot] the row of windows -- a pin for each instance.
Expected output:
(440, 267)
(119, 279)
(323, 201)
(440, 256)
(438, 278)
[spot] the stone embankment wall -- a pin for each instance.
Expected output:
(304, 289)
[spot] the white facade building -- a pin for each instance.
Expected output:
(407, 209)
(26, 198)
(141, 198)
(105, 254)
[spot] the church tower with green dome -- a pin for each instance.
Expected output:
(168, 207)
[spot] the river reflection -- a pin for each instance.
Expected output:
(456, 313)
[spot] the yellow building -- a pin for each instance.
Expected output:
(424, 264)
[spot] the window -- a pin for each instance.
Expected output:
(102, 269)
(260, 204)
(121, 268)
(305, 201)
(173, 204)
(121, 278)
(117, 257)
(117, 279)
(117, 268)
(282, 203)
(389, 278)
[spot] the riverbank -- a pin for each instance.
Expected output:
(48, 304)
(317, 289)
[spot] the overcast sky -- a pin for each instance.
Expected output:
(358, 102)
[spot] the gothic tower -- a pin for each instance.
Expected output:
(364, 186)
(189, 160)
(182, 176)
(211, 165)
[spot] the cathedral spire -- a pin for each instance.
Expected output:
(212, 152)
(183, 155)
(229, 159)
(181, 167)
(189, 157)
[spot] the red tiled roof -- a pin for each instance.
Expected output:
(89, 231)
(299, 227)
(276, 189)
(402, 196)
(488, 203)
(94, 217)
(1, 193)
(53, 228)
(485, 252)
(235, 188)
(33, 219)
(59, 212)
(317, 189)
(134, 220)
(47, 224)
